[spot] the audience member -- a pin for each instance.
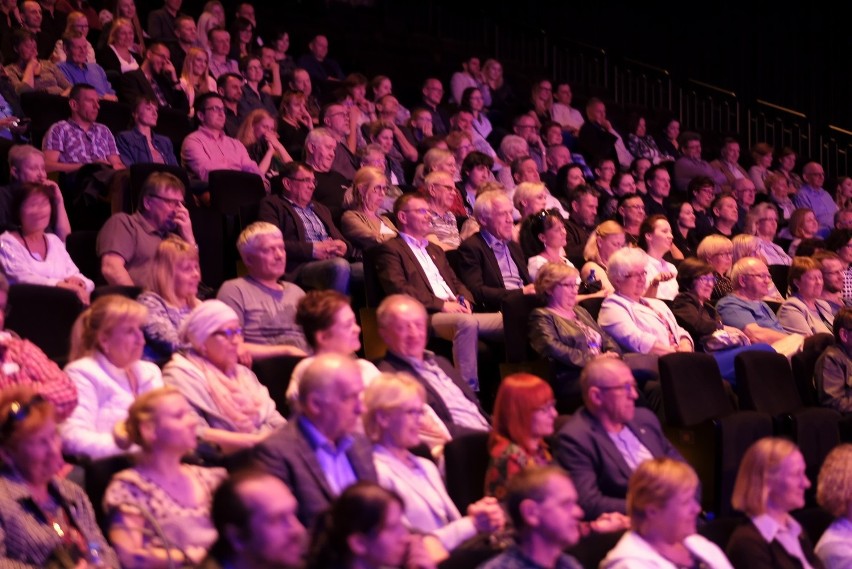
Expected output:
(254, 95)
(127, 243)
(123, 9)
(832, 278)
(316, 250)
(177, 496)
(744, 192)
(259, 135)
(659, 186)
(833, 496)
(394, 409)
(701, 193)
(726, 215)
(295, 122)
(762, 222)
(662, 502)
(195, 78)
(140, 144)
(639, 142)
(232, 409)
(655, 238)
(804, 312)
(338, 122)
(728, 163)
(779, 191)
(32, 20)
(219, 42)
(718, 252)
(254, 514)
(265, 305)
(410, 264)
(606, 440)
(209, 148)
(319, 66)
(475, 171)
(607, 238)
(834, 366)
(79, 71)
(441, 195)
(318, 455)
(403, 324)
(330, 187)
(770, 483)
(155, 79)
(22, 363)
(187, 39)
(362, 224)
(106, 366)
(229, 86)
(433, 93)
(118, 56)
(814, 197)
(30, 253)
(301, 81)
(26, 164)
(583, 206)
(631, 214)
(682, 219)
(546, 235)
(29, 73)
(36, 499)
(163, 21)
(495, 265)
(597, 138)
(562, 112)
(690, 164)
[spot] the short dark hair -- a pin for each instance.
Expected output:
(648, 227)
(228, 509)
(652, 171)
(316, 311)
(843, 319)
(222, 80)
(22, 192)
(691, 269)
(211, 31)
(291, 169)
(515, 166)
(200, 104)
(19, 37)
(688, 136)
(473, 160)
(697, 183)
(582, 190)
(403, 200)
(528, 484)
(244, 62)
(74, 94)
(838, 239)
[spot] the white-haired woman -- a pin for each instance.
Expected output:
(762, 222)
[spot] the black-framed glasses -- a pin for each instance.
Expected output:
(229, 333)
(168, 201)
(18, 412)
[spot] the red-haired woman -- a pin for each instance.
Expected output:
(524, 412)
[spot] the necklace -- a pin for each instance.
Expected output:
(27, 245)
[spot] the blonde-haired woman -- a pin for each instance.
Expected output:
(160, 489)
(123, 9)
(106, 366)
(173, 296)
(771, 483)
(118, 56)
(361, 223)
(834, 495)
(195, 78)
(234, 409)
(76, 22)
(663, 507)
(718, 252)
(259, 135)
(395, 414)
(607, 238)
(762, 222)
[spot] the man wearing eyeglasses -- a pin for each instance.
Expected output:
(209, 148)
(155, 79)
(603, 443)
(745, 309)
(342, 123)
(691, 164)
(813, 196)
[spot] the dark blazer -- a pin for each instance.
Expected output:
(401, 273)
(482, 273)
(134, 84)
(748, 550)
(596, 466)
(287, 453)
(133, 148)
(596, 143)
(699, 319)
(278, 211)
(393, 363)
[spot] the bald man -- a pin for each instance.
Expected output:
(319, 454)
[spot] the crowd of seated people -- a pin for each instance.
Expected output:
(626, 242)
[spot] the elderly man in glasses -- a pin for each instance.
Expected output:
(603, 443)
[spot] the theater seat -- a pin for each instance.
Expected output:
(82, 247)
(516, 309)
(44, 315)
(274, 373)
(466, 459)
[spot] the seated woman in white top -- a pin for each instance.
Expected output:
(106, 366)
(30, 254)
(395, 406)
(656, 238)
(547, 237)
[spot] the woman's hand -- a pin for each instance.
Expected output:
(684, 345)
(77, 286)
(610, 522)
(119, 433)
(487, 515)
(663, 277)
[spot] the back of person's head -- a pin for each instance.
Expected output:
(834, 484)
(23, 411)
(317, 311)
(101, 317)
(529, 484)
(842, 321)
(654, 483)
(170, 252)
(142, 411)
(759, 468)
(362, 509)
(519, 397)
(156, 183)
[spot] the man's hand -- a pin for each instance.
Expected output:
(529, 289)
(453, 307)
(487, 515)
(183, 224)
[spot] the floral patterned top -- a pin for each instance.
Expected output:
(508, 459)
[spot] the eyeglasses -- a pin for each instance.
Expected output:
(310, 181)
(171, 202)
(628, 388)
(710, 279)
(229, 333)
(18, 412)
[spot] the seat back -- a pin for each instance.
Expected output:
(175, 125)
(131, 292)
(98, 474)
(516, 309)
(82, 248)
(44, 315)
(592, 306)
(232, 189)
(208, 227)
(373, 290)
(779, 277)
(765, 383)
(692, 389)
(467, 460)
(804, 363)
(275, 373)
(44, 109)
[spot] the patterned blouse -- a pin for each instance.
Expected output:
(161, 328)
(508, 459)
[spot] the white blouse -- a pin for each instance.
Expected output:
(126, 66)
(22, 267)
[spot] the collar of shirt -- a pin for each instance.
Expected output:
(428, 359)
(490, 240)
(310, 205)
(320, 441)
(413, 241)
(147, 226)
(769, 528)
(216, 135)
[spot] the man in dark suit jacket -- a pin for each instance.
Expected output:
(403, 327)
(495, 267)
(595, 141)
(410, 264)
(155, 79)
(316, 250)
(604, 442)
(318, 455)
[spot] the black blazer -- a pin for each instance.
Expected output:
(482, 272)
(401, 273)
(748, 550)
(393, 363)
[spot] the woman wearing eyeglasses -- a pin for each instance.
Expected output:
(718, 252)
(762, 222)
(804, 312)
(362, 224)
(234, 410)
(47, 521)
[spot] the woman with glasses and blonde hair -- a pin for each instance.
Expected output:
(47, 520)
(771, 483)
(107, 367)
(395, 412)
(834, 495)
(565, 333)
(174, 294)
(234, 409)
(362, 224)
(607, 238)
(160, 498)
(195, 78)
(718, 252)
(762, 222)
